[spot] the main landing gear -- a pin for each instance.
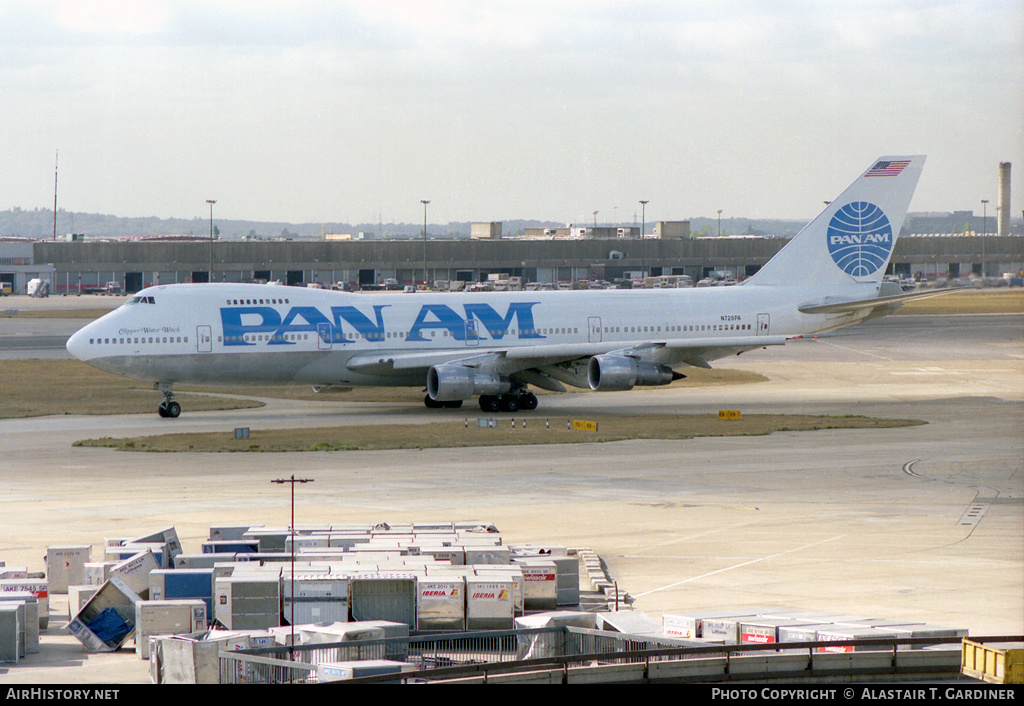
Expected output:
(513, 401)
(168, 408)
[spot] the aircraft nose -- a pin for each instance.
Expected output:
(78, 344)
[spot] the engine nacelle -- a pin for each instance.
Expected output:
(618, 372)
(446, 383)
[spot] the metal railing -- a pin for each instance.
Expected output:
(484, 655)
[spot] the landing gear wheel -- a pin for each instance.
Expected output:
(490, 403)
(510, 403)
(169, 409)
(528, 402)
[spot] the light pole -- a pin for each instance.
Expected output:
(211, 202)
(643, 228)
(424, 202)
(719, 223)
(595, 223)
(291, 619)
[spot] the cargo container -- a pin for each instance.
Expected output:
(96, 572)
(107, 620)
(765, 631)
(12, 633)
(923, 631)
(65, 565)
(341, 671)
(441, 603)
(230, 531)
(135, 572)
(30, 619)
(230, 546)
(167, 537)
(313, 598)
(384, 597)
(175, 584)
(247, 602)
(39, 588)
(839, 634)
(690, 625)
(166, 618)
(78, 596)
(540, 583)
(490, 603)
(496, 555)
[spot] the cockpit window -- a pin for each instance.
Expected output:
(141, 300)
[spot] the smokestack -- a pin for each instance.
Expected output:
(1003, 205)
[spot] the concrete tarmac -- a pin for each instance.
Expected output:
(923, 523)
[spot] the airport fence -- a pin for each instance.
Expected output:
(561, 651)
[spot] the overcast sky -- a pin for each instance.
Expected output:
(307, 111)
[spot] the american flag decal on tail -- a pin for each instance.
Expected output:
(888, 169)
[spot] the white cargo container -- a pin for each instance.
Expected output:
(340, 671)
(338, 632)
(191, 659)
(839, 634)
(456, 556)
(39, 588)
(135, 572)
(176, 617)
(107, 620)
(496, 555)
(511, 572)
(441, 603)
(167, 537)
(765, 631)
(247, 602)
(490, 603)
(78, 596)
(316, 598)
(96, 572)
(30, 624)
(12, 636)
(925, 631)
(65, 565)
(540, 583)
(124, 552)
(686, 625)
(230, 531)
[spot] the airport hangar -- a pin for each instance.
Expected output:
(77, 266)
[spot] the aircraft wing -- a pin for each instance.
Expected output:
(892, 301)
(559, 360)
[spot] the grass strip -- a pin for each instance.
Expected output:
(530, 430)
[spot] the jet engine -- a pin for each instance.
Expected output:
(619, 372)
(457, 382)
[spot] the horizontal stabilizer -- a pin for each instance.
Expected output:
(873, 303)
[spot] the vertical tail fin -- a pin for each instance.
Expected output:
(853, 238)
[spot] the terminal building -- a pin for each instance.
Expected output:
(85, 266)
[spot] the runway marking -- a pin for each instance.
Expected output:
(908, 468)
(739, 566)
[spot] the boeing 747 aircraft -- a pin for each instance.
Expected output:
(495, 345)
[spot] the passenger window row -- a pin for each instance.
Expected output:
(138, 340)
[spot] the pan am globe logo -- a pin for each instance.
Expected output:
(860, 238)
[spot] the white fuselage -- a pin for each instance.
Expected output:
(247, 333)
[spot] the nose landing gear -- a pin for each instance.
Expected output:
(168, 408)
